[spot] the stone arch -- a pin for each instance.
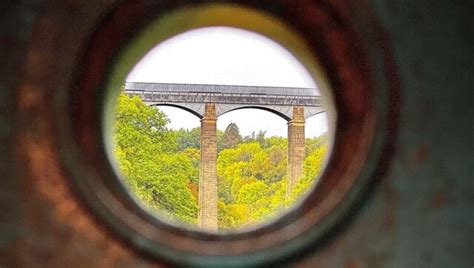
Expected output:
(265, 108)
(182, 107)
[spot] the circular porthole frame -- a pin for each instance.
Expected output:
(157, 32)
(363, 92)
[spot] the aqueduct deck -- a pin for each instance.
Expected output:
(193, 97)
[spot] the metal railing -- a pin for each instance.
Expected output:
(223, 94)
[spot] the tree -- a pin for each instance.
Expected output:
(141, 129)
(261, 138)
(220, 142)
(249, 138)
(161, 167)
(156, 172)
(188, 138)
(312, 168)
(231, 136)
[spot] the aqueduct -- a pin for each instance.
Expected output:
(208, 102)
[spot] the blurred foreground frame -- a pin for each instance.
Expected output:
(417, 211)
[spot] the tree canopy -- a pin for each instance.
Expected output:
(231, 137)
(161, 167)
(160, 175)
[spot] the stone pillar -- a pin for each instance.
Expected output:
(208, 173)
(296, 148)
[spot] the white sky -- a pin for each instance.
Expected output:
(227, 56)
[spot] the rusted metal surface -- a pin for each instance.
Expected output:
(45, 225)
(361, 134)
(417, 213)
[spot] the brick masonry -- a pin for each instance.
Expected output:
(296, 147)
(208, 217)
(208, 174)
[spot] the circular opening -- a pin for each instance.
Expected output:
(361, 132)
(219, 129)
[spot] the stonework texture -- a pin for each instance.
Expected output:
(208, 174)
(296, 147)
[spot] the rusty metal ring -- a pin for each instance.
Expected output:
(358, 66)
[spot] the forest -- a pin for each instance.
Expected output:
(161, 168)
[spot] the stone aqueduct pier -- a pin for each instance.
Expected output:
(208, 102)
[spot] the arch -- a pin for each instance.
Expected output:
(317, 113)
(182, 107)
(265, 108)
(309, 112)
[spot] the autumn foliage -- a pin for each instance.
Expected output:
(161, 168)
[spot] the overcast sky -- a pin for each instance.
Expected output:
(227, 56)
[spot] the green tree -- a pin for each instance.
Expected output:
(231, 137)
(161, 167)
(140, 129)
(261, 138)
(312, 168)
(188, 138)
(157, 173)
